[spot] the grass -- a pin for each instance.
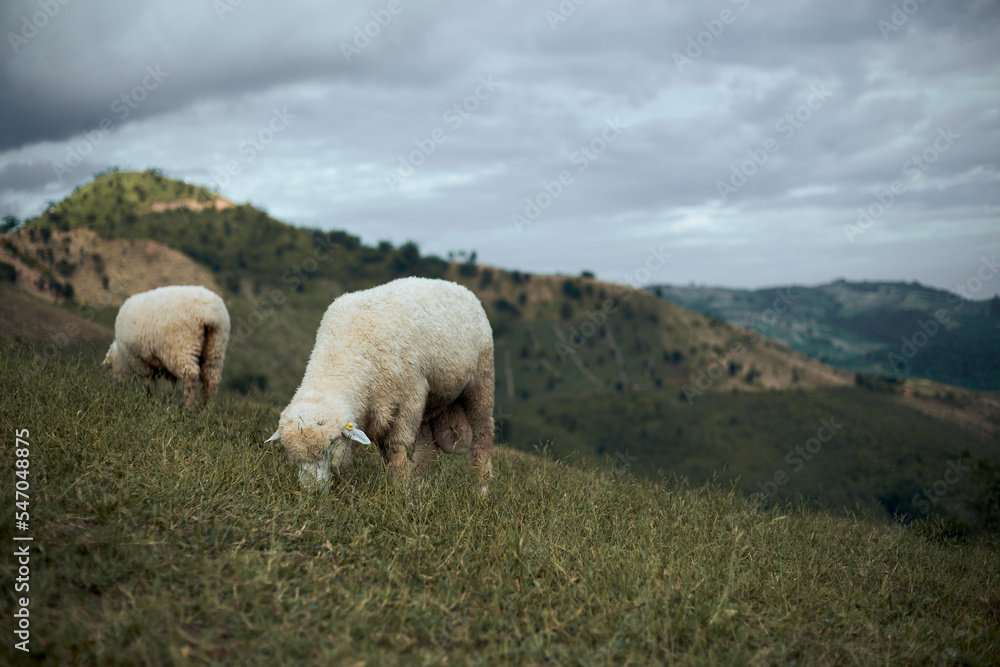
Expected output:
(163, 536)
(883, 456)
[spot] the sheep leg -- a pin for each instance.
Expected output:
(208, 389)
(478, 401)
(154, 380)
(405, 432)
(212, 354)
(190, 389)
(395, 456)
(424, 451)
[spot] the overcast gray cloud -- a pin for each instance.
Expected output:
(740, 136)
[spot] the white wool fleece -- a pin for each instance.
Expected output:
(179, 332)
(387, 361)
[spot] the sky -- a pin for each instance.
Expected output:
(736, 143)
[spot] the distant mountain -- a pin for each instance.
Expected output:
(590, 370)
(878, 328)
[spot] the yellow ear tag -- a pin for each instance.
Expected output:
(107, 362)
(349, 426)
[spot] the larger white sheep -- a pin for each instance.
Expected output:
(408, 363)
(178, 332)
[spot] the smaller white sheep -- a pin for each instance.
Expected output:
(408, 363)
(178, 332)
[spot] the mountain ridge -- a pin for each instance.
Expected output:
(879, 328)
(593, 371)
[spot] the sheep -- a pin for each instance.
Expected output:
(178, 332)
(407, 363)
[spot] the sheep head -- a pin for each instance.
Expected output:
(315, 439)
(115, 362)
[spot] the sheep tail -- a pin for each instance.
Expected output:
(213, 351)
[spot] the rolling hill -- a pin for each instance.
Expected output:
(594, 371)
(164, 536)
(879, 328)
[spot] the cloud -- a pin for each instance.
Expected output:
(377, 86)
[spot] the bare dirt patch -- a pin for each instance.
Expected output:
(190, 204)
(103, 272)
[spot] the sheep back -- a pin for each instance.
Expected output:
(179, 331)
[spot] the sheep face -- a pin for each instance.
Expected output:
(115, 362)
(315, 442)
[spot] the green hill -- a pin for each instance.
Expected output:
(879, 328)
(597, 371)
(279, 279)
(165, 536)
(118, 196)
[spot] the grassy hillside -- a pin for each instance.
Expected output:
(28, 318)
(170, 537)
(278, 279)
(599, 371)
(862, 327)
(881, 457)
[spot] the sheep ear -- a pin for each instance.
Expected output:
(107, 361)
(356, 434)
(359, 436)
(274, 436)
